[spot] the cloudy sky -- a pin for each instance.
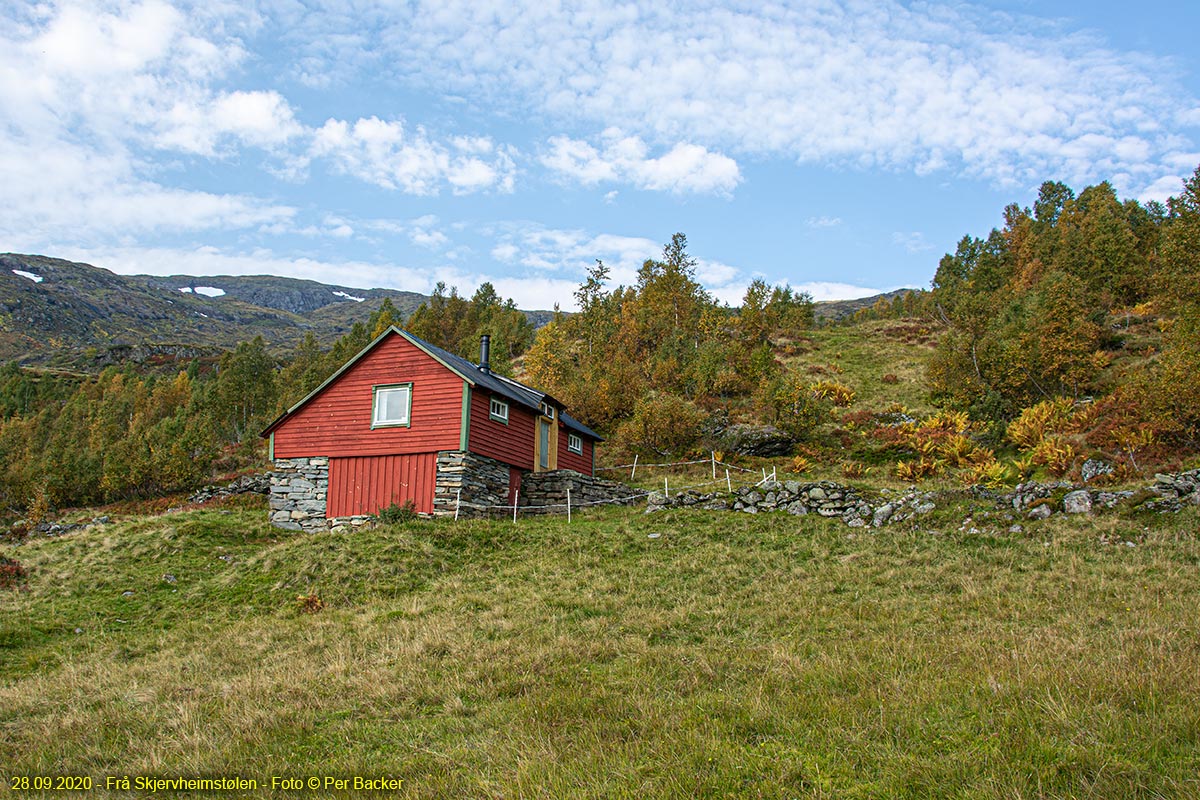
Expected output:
(841, 147)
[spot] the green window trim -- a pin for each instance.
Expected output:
(381, 390)
(498, 410)
(464, 434)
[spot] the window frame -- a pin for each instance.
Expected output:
(572, 438)
(493, 403)
(376, 391)
(547, 410)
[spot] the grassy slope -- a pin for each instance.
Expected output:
(729, 656)
(860, 355)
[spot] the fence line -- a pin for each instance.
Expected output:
(614, 501)
(712, 459)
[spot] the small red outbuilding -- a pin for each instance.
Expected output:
(405, 421)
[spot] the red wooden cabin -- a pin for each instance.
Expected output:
(407, 421)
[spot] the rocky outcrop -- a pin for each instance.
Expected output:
(765, 441)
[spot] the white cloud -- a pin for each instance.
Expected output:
(54, 191)
(823, 222)
(684, 168)
(536, 292)
(913, 242)
(865, 83)
(573, 252)
(384, 153)
(832, 290)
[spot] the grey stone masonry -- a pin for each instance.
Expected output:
(546, 492)
(475, 484)
(298, 494)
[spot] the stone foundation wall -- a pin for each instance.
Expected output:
(473, 483)
(550, 489)
(298, 490)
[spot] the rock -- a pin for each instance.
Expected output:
(756, 440)
(1078, 502)
(1040, 512)
(797, 508)
(169, 578)
(816, 494)
(882, 515)
(1093, 468)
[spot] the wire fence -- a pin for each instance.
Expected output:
(712, 459)
(515, 508)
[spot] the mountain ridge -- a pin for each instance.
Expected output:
(73, 315)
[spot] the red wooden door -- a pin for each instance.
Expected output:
(365, 484)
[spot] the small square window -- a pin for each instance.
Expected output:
(499, 411)
(548, 410)
(575, 443)
(392, 406)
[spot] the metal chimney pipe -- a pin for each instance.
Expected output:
(485, 353)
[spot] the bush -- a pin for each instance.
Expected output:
(662, 424)
(396, 514)
(12, 574)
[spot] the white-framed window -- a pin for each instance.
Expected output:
(393, 406)
(499, 411)
(548, 410)
(575, 443)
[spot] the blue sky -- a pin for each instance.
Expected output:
(840, 147)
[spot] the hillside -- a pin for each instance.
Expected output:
(624, 655)
(70, 315)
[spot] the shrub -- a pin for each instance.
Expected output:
(992, 474)
(854, 469)
(800, 465)
(12, 574)
(837, 393)
(309, 603)
(1037, 421)
(396, 514)
(919, 470)
(662, 424)
(1055, 454)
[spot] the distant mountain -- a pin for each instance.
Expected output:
(839, 309)
(78, 316)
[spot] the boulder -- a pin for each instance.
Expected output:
(765, 441)
(1078, 502)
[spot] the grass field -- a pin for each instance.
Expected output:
(673, 655)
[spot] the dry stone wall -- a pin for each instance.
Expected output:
(299, 487)
(474, 484)
(546, 492)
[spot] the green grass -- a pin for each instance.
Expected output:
(867, 351)
(728, 656)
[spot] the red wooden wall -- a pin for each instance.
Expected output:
(511, 443)
(338, 421)
(569, 460)
(364, 485)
